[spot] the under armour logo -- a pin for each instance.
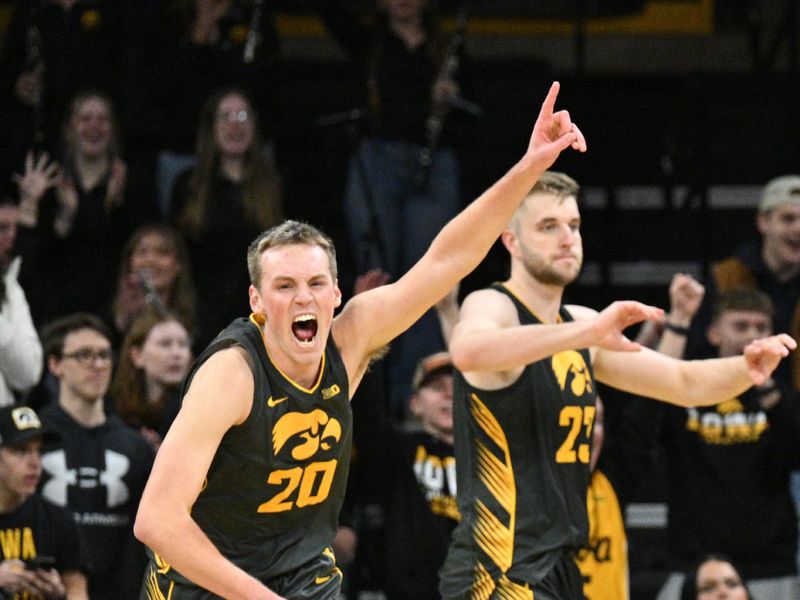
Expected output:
(62, 478)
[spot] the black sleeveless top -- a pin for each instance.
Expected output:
(522, 464)
(275, 486)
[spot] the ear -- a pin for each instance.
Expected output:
(509, 239)
(136, 357)
(761, 222)
(337, 294)
(54, 365)
(255, 300)
(413, 405)
(712, 335)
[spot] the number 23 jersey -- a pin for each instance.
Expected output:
(522, 464)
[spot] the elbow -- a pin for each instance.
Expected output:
(464, 359)
(145, 527)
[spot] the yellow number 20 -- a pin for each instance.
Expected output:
(314, 483)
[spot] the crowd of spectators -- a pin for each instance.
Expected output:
(137, 163)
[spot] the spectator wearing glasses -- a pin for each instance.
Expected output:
(99, 467)
(222, 205)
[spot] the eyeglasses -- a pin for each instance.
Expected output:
(86, 356)
(233, 116)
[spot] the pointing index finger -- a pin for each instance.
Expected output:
(550, 101)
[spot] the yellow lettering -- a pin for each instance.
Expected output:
(10, 541)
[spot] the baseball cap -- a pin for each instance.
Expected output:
(19, 424)
(430, 366)
(779, 191)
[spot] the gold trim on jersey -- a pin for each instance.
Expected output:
(493, 536)
(152, 591)
(528, 308)
(484, 586)
(258, 321)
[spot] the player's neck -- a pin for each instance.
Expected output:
(303, 371)
(543, 299)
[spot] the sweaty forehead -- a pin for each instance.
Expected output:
(295, 261)
(544, 205)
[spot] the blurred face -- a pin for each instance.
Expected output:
(734, 329)
(91, 128)
(164, 357)
(780, 229)
(20, 469)
(8, 231)
(432, 404)
(297, 296)
(233, 126)
(404, 10)
(84, 369)
(155, 256)
(718, 580)
(547, 241)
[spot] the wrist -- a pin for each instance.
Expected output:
(677, 329)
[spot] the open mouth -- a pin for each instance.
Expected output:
(304, 328)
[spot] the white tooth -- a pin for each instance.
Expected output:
(303, 318)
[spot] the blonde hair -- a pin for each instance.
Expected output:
(552, 183)
(288, 233)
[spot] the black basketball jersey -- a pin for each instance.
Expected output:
(275, 486)
(522, 464)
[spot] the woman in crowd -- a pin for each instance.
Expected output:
(154, 271)
(154, 359)
(220, 206)
(714, 578)
(80, 228)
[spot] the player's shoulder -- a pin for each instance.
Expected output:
(580, 313)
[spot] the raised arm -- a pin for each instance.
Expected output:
(164, 520)
(692, 383)
(371, 320)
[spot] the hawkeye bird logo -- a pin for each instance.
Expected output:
(314, 430)
(273, 403)
(569, 363)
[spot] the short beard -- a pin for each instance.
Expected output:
(543, 273)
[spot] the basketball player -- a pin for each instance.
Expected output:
(524, 405)
(244, 496)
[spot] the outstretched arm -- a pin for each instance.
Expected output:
(490, 346)
(692, 383)
(371, 320)
(164, 520)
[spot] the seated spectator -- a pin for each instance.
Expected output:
(201, 46)
(154, 359)
(154, 272)
(223, 205)
(82, 226)
(414, 471)
(713, 578)
(20, 349)
(42, 552)
(728, 465)
(52, 50)
(770, 264)
(99, 467)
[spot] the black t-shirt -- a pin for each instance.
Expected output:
(38, 528)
